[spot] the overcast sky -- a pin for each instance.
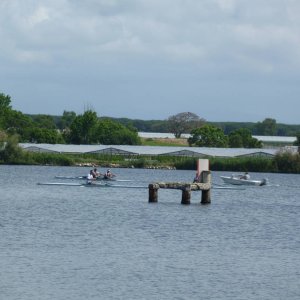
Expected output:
(225, 60)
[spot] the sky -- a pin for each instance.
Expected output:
(224, 60)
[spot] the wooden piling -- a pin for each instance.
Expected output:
(204, 186)
(186, 195)
(153, 192)
(205, 196)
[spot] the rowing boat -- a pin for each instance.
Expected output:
(237, 180)
(97, 178)
(94, 184)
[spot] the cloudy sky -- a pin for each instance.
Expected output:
(225, 60)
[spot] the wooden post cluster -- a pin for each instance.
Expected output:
(204, 185)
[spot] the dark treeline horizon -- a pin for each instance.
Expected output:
(280, 129)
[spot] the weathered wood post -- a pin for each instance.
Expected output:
(186, 195)
(153, 192)
(204, 184)
(205, 178)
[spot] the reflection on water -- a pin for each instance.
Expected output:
(70, 242)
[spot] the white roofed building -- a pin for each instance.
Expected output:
(154, 150)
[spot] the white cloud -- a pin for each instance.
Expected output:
(168, 29)
(200, 39)
(227, 6)
(40, 15)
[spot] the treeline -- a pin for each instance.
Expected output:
(86, 128)
(89, 128)
(268, 127)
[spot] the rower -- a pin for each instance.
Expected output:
(90, 177)
(95, 173)
(109, 174)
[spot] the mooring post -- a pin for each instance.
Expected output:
(205, 196)
(186, 195)
(153, 192)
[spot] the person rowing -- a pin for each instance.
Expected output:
(109, 174)
(95, 173)
(90, 178)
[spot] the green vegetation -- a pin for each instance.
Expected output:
(82, 129)
(167, 142)
(92, 129)
(288, 163)
(10, 151)
(265, 127)
(88, 128)
(184, 123)
(208, 136)
(227, 127)
(244, 164)
(242, 138)
(281, 163)
(297, 143)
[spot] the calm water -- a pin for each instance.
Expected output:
(62, 242)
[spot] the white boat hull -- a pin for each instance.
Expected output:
(239, 181)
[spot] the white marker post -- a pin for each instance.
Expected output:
(202, 165)
(203, 176)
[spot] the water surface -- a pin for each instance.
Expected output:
(62, 242)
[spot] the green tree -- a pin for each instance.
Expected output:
(88, 129)
(16, 122)
(183, 123)
(5, 101)
(297, 142)
(11, 153)
(235, 141)
(83, 129)
(266, 127)
(44, 121)
(3, 138)
(5, 107)
(208, 136)
(114, 133)
(42, 135)
(66, 120)
(242, 138)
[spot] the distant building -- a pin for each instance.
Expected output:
(199, 152)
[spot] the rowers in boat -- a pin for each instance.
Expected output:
(108, 175)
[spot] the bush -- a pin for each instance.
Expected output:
(288, 162)
(51, 159)
(11, 153)
(250, 164)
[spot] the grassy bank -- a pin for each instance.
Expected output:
(167, 142)
(282, 163)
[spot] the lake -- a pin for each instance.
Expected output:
(72, 242)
